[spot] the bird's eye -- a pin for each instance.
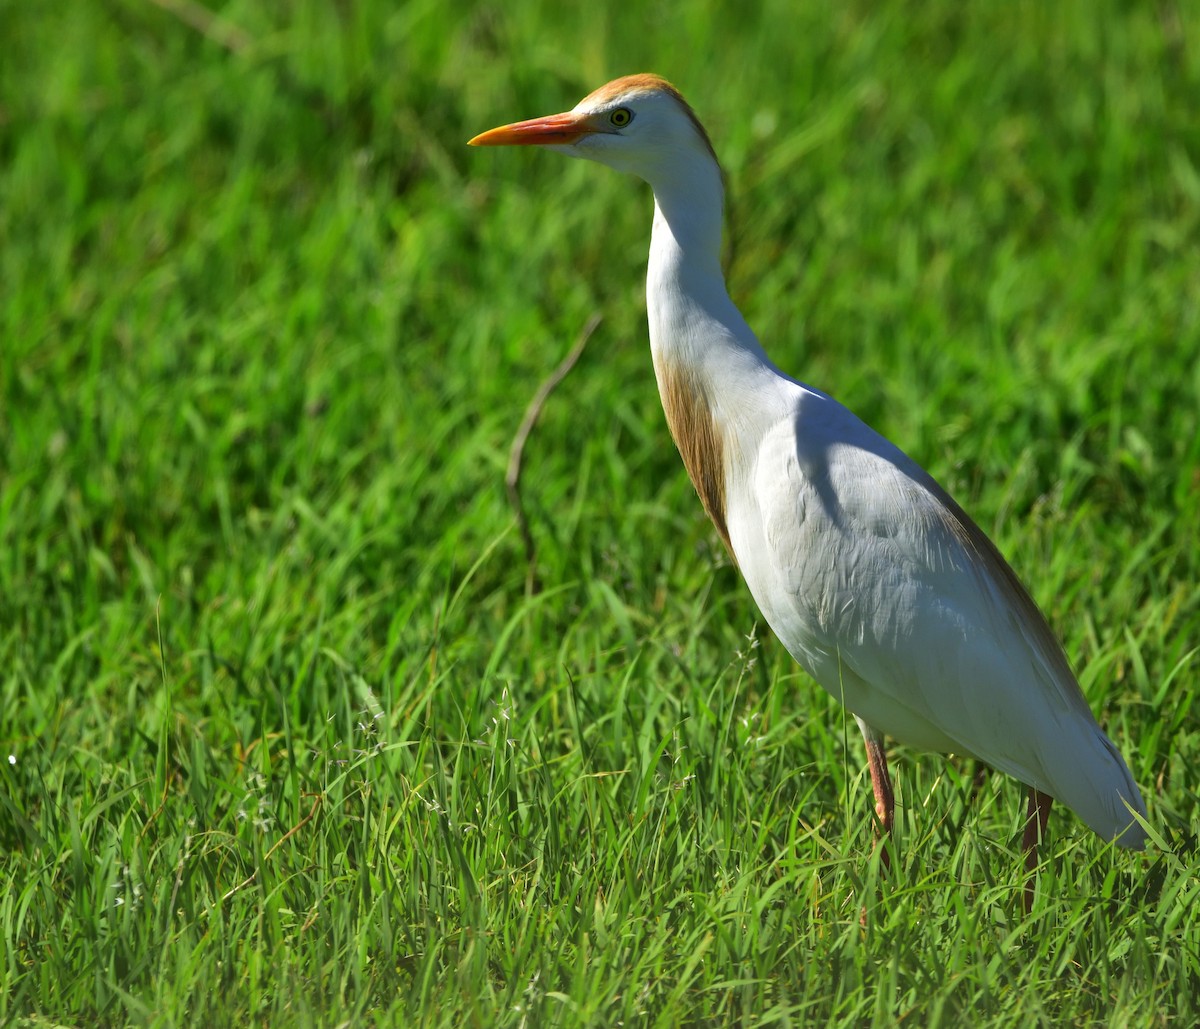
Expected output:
(621, 117)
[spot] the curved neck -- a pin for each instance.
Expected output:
(692, 319)
(687, 219)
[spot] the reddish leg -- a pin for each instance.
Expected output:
(881, 783)
(1036, 817)
(885, 799)
(978, 780)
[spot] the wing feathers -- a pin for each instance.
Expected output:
(898, 604)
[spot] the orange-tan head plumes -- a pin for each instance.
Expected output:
(602, 112)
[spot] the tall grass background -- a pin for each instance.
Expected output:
(288, 739)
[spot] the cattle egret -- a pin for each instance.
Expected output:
(875, 580)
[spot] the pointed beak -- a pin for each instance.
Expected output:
(555, 128)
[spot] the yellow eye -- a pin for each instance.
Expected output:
(621, 117)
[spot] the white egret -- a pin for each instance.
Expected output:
(875, 580)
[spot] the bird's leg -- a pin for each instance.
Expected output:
(1036, 817)
(979, 780)
(885, 799)
(881, 784)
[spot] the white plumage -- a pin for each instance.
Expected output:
(878, 584)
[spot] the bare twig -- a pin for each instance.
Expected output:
(297, 827)
(198, 17)
(512, 479)
(278, 843)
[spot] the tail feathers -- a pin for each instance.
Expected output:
(1132, 836)
(1102, 792)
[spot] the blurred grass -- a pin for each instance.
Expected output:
(290, 743)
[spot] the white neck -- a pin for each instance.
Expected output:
(693, 323)
(706, 359)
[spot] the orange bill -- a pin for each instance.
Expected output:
(554, 128)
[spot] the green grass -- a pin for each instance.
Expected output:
(292, 743)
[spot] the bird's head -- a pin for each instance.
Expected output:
(638, 123)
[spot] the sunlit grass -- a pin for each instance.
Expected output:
(288, 740)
